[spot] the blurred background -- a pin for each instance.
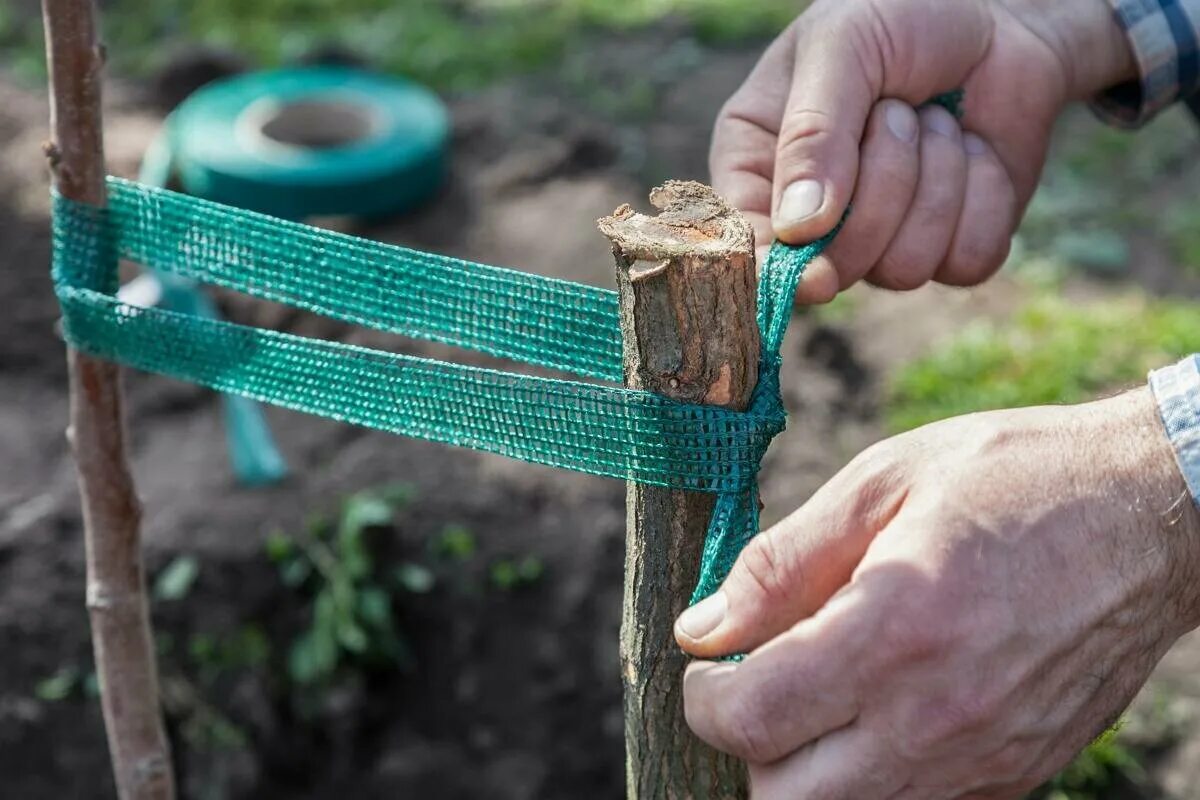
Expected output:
(483, 595)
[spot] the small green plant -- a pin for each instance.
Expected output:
(351, 618)
(1052, 351)
(415, 578)
(67, 682)
(203, 726)
(455, 543)
(176, 579)
(213, 656)
(508, 574)
(58, 687)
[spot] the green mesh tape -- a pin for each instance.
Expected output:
(603, 430)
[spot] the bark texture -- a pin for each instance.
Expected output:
(687, 288)
(116, 598)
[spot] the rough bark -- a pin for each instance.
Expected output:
(687, 288)
(116, 598)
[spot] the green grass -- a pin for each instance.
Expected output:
(1182, 229)
(450, 45)
(1052, 351)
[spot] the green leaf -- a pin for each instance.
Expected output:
(504, 575)
(416, 578)
(250, 647)
(58, 686)
(530, 569)
(455, 542)
(375, 608)
(397, 495)
(353, 637)
(295, 572)
(508, 575)
(279, 546)
(317, 526)
(177, 578)
(355, 560)
(202, 647)
(326, 613)
(313, 657)
(365, 510)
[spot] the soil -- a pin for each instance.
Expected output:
(514, 694)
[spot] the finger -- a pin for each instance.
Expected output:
(788, 571)
(924, 237)
(819, 284)
(742, 157)
(985, 226)
(847, 764)
(887, 182)
(798, 687)
(741, 179)
(816, 162)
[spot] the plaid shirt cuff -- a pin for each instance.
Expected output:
(1177, 390)
(1165, 37)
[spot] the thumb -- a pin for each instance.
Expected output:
(816, 159)
(789, 571)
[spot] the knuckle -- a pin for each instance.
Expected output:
(745, 730)
(768, 573)
(803, 135)
(872, 477)
(874, 462)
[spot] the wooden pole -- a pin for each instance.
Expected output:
(687, 287)
(116, 597)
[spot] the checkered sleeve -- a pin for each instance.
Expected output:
(1165, 37)
(1177, 391)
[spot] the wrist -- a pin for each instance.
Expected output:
(1159, 497)
(1091, 46)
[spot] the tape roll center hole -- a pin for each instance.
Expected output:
(318, 124)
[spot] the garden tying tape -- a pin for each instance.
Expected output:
(307, 142)
(294, 143)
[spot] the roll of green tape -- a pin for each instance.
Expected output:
(317, 141)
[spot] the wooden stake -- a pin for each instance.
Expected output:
(687, 286)
(116, 597)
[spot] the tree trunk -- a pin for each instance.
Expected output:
(116, 597)
(687, 288)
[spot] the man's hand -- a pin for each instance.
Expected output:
(828, 117)
(956, 613)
